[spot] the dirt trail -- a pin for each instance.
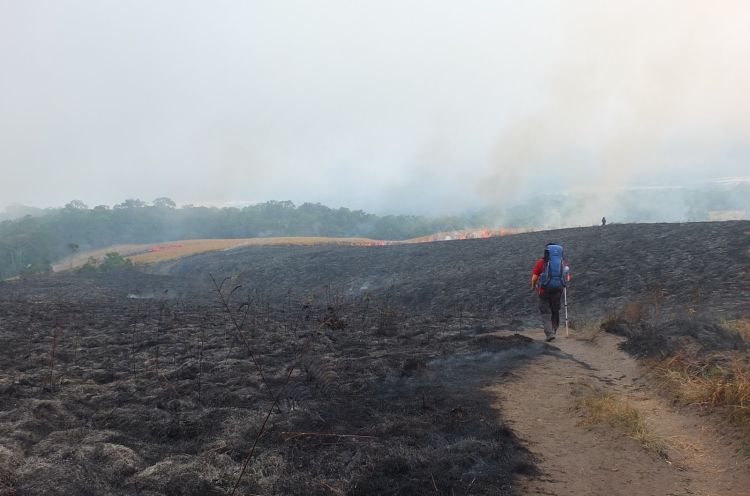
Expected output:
(539, 402)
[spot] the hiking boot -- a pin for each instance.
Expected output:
(550, 338)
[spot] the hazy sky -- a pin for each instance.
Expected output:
(406, 106)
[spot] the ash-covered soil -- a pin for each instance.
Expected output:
(368, 362)
(111, 389)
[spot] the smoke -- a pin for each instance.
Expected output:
(393, 107)
(643, 93)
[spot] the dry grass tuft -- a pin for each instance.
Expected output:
(587, 330)
(634, 312)
(740, 326)
(608, 409)
(710, 383)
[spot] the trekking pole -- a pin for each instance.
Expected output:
(566, 275)
(565, 296)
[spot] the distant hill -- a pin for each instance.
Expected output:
(702, 266)
(32, 239)
(34, 242)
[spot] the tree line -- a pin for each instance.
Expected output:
(34, 238)
(33, 242)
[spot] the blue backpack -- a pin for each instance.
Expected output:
(553, 276)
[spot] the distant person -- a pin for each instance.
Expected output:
(604, 221)
(549, 279)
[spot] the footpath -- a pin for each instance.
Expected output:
(541, 402)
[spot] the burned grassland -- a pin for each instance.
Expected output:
(120, 384)
(702, 267)
(322, 369)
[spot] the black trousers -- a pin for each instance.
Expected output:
(549, 308)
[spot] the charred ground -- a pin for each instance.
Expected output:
(105, 393)
(138, 383)
(703, 265)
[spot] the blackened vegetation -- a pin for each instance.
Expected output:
(655, 329)
(319, 370)
(663, 339)
(704, 266)
(126, 384)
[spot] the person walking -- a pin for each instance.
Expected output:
(549, 279)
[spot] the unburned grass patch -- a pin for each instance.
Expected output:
(603, 408)
(587, 330)
(714, 382)
(740, 326)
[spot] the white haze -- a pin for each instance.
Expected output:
(392, 106)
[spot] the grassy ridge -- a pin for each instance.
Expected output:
(153, 253)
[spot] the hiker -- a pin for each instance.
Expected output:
(549, 279)
(604, 221)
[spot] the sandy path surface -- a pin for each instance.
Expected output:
(539, 401)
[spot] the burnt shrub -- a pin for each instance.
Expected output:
(662, 339)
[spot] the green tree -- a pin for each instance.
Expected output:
(164, 202)
(130, 203)
(113, 261)
(76, 205)
(36, 268)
